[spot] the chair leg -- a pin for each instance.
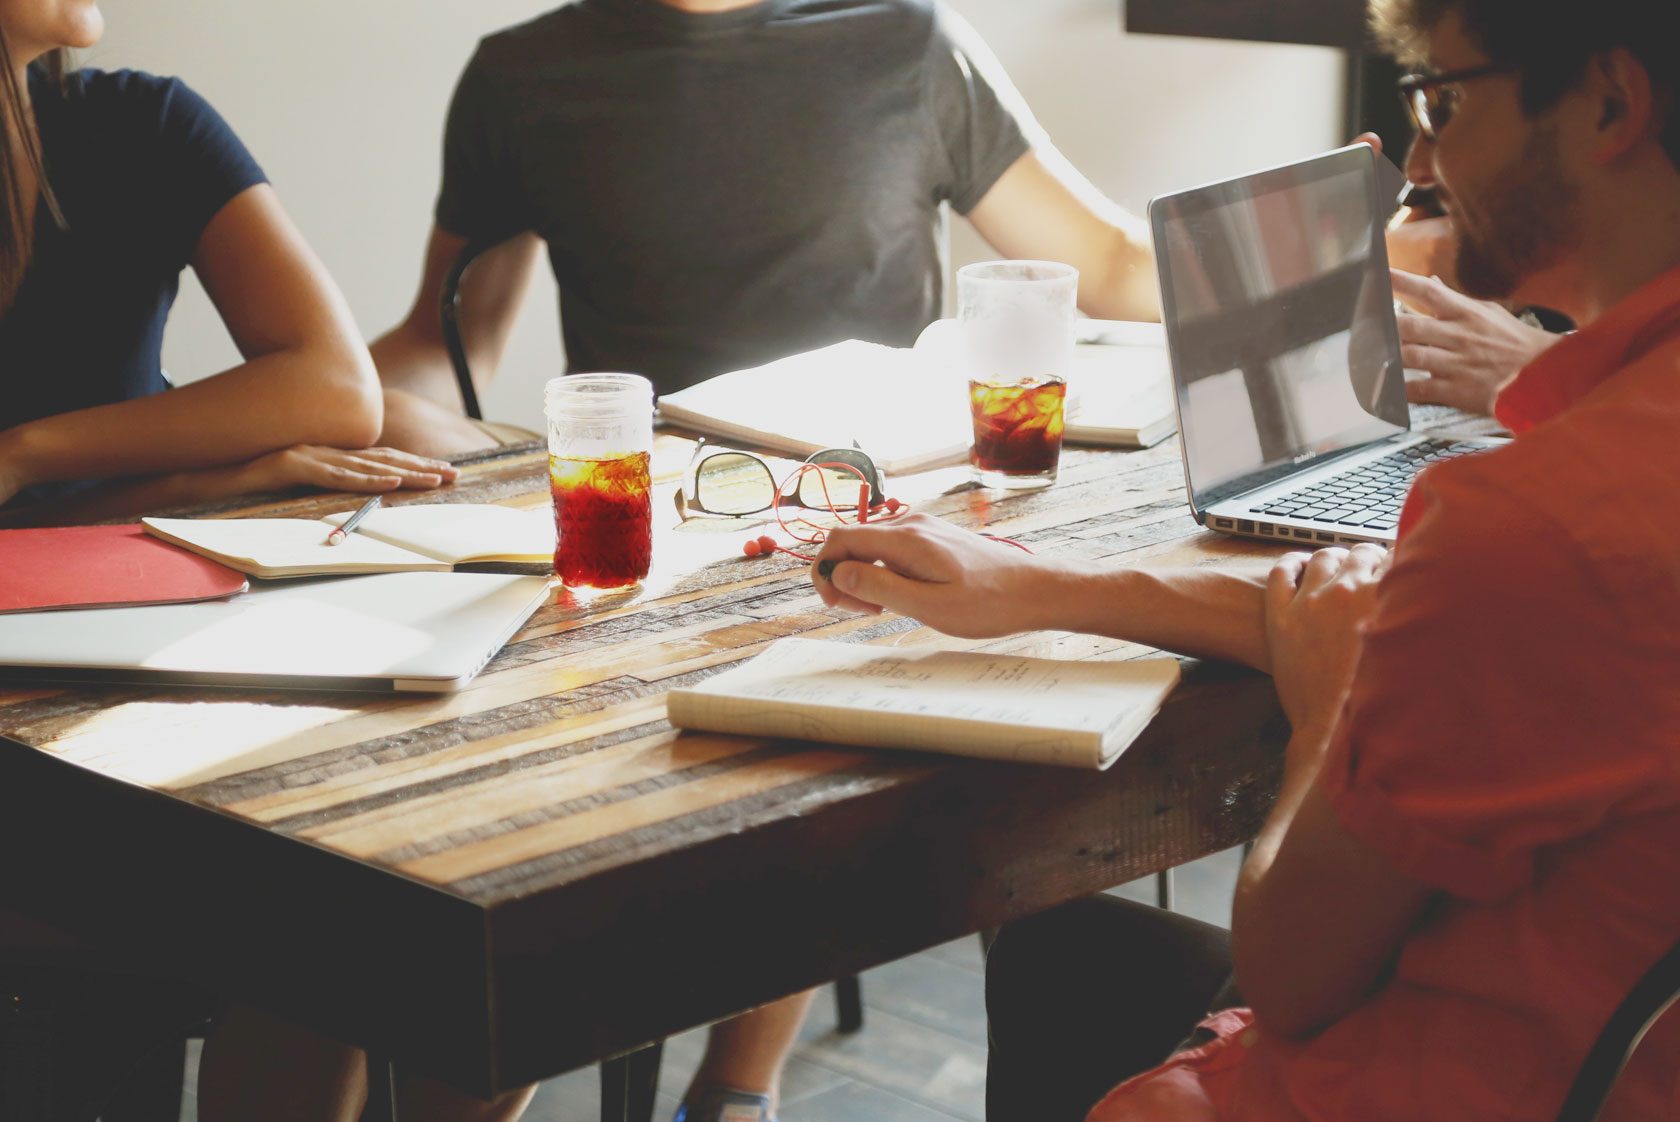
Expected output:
(848, 1003)
(381, 1089)
(1164, 889)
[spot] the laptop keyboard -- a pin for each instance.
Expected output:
(1371, 494)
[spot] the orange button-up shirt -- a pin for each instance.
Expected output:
(1512, 739)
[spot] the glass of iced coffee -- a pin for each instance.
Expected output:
(1016, 319)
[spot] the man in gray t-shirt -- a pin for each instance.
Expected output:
(720, 183)
(719, 188)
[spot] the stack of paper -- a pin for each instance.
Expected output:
(1008, 707)
(905, 413)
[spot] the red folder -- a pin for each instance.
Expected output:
(104, 566)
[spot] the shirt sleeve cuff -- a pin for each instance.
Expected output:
(1002, 160)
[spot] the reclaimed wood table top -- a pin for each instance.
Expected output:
(535, 873)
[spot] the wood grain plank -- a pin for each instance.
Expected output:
(476, 859)
(380, 777)
(477, 809)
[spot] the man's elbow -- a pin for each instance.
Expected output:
(1282, 1013)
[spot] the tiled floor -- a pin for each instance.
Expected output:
(921, 1056)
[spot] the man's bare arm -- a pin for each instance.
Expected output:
(412, 357)
(1319, 915)
(964, 584)
(1041, 208)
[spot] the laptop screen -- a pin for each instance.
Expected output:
(1279, 319)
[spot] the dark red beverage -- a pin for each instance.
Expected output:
(1017, 426)
(603, 520)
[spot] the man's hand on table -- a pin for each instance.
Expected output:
(950, 579)
(1317, 606)
(1470, 348)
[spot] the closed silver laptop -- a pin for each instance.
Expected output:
(1285, 354)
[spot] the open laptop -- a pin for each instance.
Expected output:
(1285, 354)
(425, 632)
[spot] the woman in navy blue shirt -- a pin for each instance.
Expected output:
(110, 185)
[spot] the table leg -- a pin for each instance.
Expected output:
(628, 1083)
(1164, 889)
(382, 1089)
(848, 1003)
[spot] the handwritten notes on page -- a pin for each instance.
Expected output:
(1037, 710)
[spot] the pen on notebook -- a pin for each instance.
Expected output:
(349, 524)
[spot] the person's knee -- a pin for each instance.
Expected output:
(1134, 954)
(1033, 961)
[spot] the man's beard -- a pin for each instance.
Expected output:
(1529, 218)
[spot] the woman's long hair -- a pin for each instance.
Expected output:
(18, 138)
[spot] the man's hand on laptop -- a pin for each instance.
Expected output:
(950, 579)
(1469, 348)
(1317, 605)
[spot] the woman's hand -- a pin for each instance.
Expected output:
(337, 469)
(1317, 606)
(1470, 348)
(950, 579)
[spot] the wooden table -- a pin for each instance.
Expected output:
(534, 874)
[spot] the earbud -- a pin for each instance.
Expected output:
(761, 546)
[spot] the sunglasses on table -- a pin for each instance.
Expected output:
(736, 484)
(1431, 99)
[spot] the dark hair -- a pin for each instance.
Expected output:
(1549, 42)
(17, 231)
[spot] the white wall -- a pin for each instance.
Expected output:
(342, 101)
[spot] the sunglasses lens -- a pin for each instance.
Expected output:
(730, 483)
(831, 486)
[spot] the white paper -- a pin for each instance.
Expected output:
(1041, 710)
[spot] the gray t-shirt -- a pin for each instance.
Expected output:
(720, 190)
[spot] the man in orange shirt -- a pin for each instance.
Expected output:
(1475, 852)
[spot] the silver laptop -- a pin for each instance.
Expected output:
(425, 632)
(1285, 355)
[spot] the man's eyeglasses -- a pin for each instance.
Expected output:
(1430, 99)
(737, 484)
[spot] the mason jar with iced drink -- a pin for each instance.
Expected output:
(1016, 321)
(600, 445)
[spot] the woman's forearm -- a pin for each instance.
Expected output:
(326, 394)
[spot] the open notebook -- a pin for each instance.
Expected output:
(1008, 707)
(433, 537)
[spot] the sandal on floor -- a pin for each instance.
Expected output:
(720, 1104)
